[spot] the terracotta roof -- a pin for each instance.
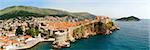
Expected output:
(27, 36)
(4, 44)
(64, 25)
(13, 41)
(61, 25)
(3, 37)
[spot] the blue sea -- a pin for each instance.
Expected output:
(133, 35)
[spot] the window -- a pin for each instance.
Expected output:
(42, 24)
(61, 31)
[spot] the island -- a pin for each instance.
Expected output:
(130, 18)
(22, 27)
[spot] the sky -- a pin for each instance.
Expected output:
(111, 8)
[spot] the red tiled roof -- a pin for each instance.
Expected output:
(27, 36)
(61, 25)
(64, 25)
(13, 41)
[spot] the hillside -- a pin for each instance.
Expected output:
(28, 11)
(83, 15)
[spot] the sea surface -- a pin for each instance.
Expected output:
(131, 36)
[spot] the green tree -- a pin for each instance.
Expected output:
(32, 31)
(108, 25)
(19, 31)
